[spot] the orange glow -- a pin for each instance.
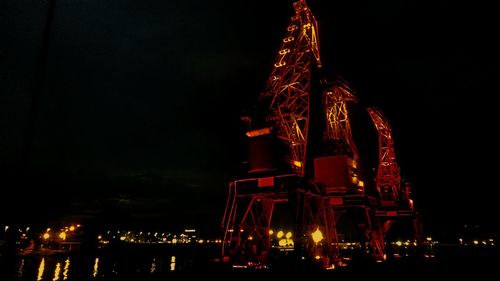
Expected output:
(317, 236)
(259, 132)
(271, 232)
(62, 235)
(288, 235)
(280, 234)
(72, 228)
(46, 236)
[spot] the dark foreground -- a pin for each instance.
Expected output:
(149, 262)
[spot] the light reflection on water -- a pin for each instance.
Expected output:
(153, 266)
(41, 268)
(20, 269)
(57, 268)
(172, 263)
(96, 267)
(66, 269)
(57, 272)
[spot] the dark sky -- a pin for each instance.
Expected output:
(140, 105)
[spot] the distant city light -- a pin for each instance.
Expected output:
(399, 243)
(189, 230)
(62, 235)
(280, 234)
(72, 228)
(429, 238)
(288, 235)
(475, 242)
(46, 236)
(271, 232)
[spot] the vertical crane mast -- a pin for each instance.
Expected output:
(288, 87)
(388, 176)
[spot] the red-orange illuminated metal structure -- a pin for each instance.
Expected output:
(318, 188)
(396, 204)
(338, 128)
(388, 176)
(252, 201)
(288, 87)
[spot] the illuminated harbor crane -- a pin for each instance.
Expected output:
(312, 185)
(396, 203)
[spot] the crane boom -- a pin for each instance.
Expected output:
(388, 172)
(288, 87)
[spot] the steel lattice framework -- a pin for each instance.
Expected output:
(338, 128)
(288, 87)
(318, 202)
(388, 173)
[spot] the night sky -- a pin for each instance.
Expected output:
(140, 104)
